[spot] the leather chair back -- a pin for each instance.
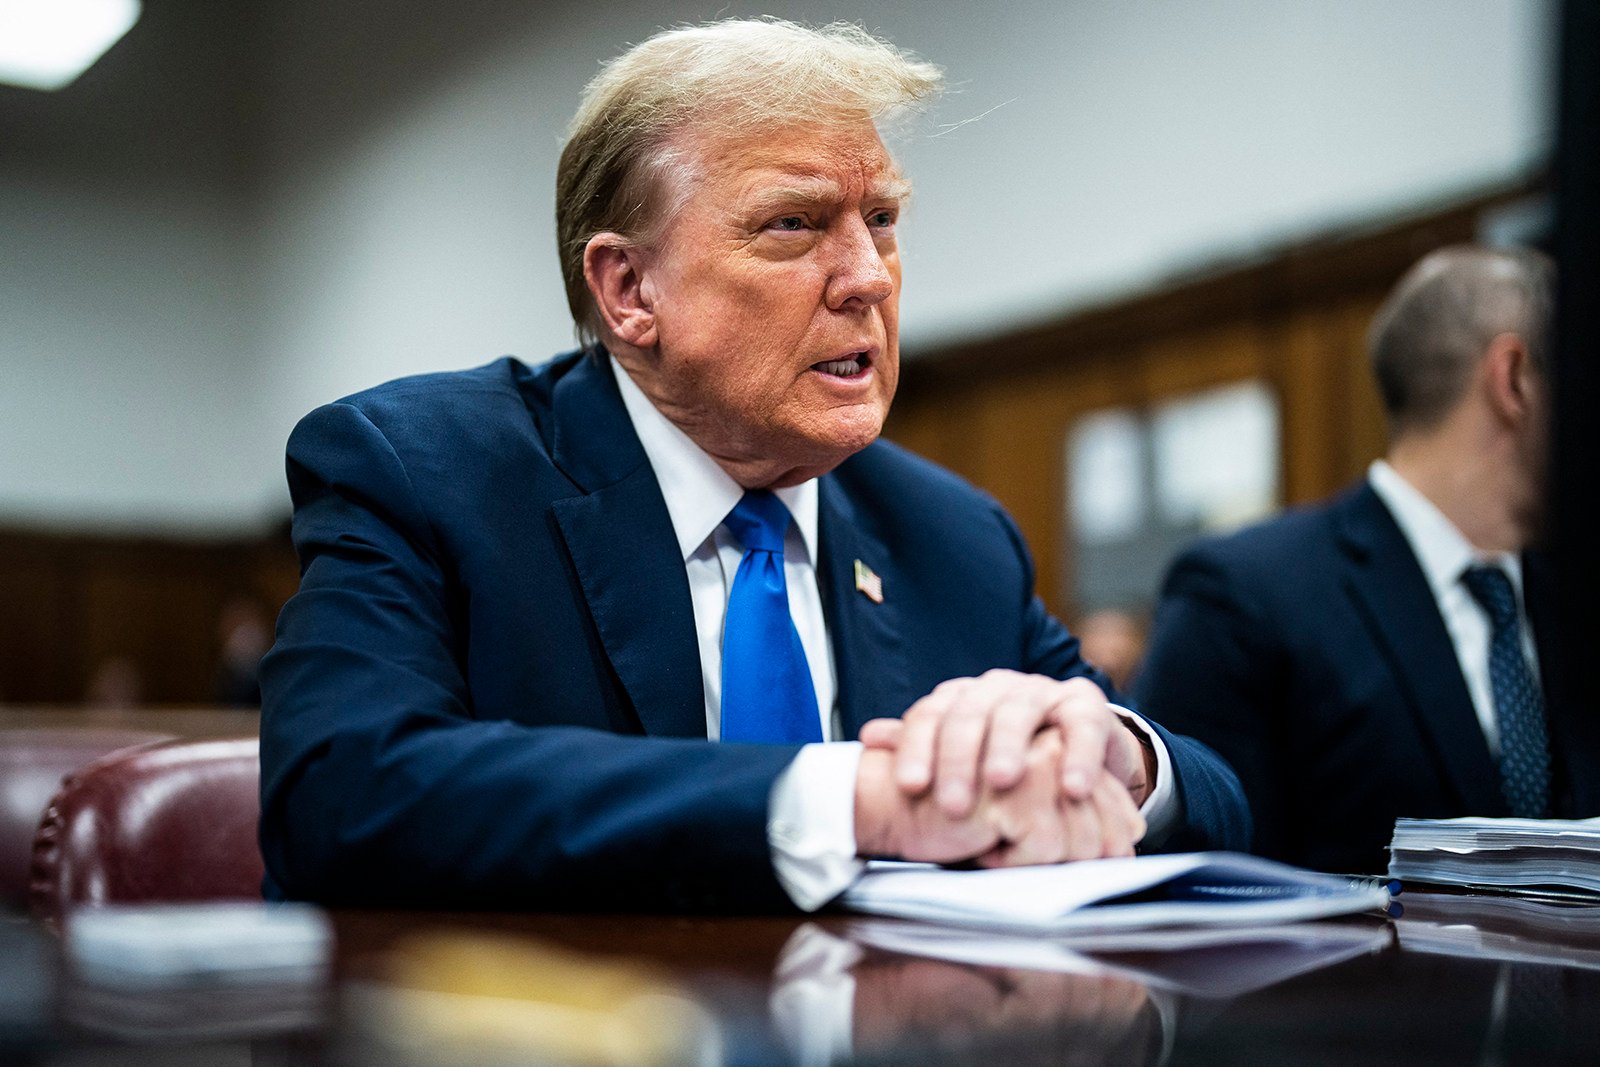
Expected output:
(33, 761)
(171, 823)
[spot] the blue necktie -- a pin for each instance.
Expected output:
(767, 693)
(1524, 741)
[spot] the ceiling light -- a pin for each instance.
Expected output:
(45, 44)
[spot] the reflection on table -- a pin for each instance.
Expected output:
(489, 988)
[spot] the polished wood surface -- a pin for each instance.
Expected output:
(70, 603)
(1458, 979)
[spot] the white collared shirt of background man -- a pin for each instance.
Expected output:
(1444, 554)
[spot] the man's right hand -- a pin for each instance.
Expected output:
(1029, 822)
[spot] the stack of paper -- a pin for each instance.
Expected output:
(1547, 856)
(1190, 889)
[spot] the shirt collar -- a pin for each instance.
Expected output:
(699, 493)
(1441, 549)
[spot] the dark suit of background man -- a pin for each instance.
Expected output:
(1354, 661)
(498, 680)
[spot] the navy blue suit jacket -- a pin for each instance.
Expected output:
(1309, 651)
(487, 691)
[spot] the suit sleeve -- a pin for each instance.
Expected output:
(1213, 813)
(1208, 672)
(380, 788)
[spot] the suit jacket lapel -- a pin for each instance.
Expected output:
(620, 539)
(1394, 597)
(868, 641)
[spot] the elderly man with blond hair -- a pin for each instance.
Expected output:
(532, 595)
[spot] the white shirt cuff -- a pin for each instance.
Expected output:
(1160, 807)
(811, 823)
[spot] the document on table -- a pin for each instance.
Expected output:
(1188, 889)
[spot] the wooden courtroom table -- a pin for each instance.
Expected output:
(1457, 980)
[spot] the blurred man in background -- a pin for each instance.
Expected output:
(1389, 653)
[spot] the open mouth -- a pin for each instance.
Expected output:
(849, 367)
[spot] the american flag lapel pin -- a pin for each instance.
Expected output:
(868, 583)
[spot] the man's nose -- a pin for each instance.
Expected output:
(860, 276)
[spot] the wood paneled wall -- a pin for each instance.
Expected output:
(69, 603)
(998, 411)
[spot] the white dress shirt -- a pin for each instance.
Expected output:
(1445, 554)
(811, 820)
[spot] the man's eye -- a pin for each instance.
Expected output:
(788, 223)
(881, 218)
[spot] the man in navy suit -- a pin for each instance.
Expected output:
(1389, 653)
(531, 596)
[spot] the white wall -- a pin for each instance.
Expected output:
(403, 219)
(1134, 140)
(124, 355)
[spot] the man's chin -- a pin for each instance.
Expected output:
(847, 436)
(816, 454)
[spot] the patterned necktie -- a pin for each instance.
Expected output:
(1524, 742)
(767, 693)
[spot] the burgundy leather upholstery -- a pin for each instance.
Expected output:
(32, 764)
(175, 822)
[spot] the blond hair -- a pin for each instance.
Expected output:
(619, 171)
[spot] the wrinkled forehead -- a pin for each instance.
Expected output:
(839, 158)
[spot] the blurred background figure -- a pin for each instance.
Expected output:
(1113, 640)
(1391, 652)
(115, 684)
(245, 631)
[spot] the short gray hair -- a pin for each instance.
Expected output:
(724, 77)
(1429, 334)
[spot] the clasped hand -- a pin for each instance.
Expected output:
(1002, 770)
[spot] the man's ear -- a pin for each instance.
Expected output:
(613, 267)
(1509, 377)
